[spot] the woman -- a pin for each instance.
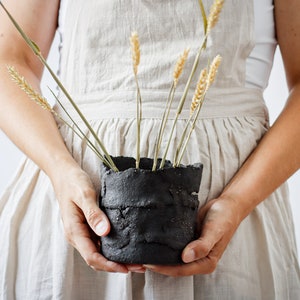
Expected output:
(243, 210)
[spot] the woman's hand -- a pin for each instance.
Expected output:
(218, 221)
(83, 221)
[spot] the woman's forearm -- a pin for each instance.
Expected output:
(30, 127)
(275, 159)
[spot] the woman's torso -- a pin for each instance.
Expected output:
(260, 60)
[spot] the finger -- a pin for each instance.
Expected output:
(136, 268)
(83, 243)
(204, 258)
(94, 259)
(95, 217)
(205, 265)
(79, 236)
(198, 249)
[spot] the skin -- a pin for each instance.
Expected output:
(40, 140)
(258, 177)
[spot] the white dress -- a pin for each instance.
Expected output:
(261, 260)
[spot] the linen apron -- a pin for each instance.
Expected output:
(260, 262)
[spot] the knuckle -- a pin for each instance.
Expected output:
(204, 249)
(92, 216)
(88, 192)
(84, 195)
(92, 262)
(89, 261)
(212, 266)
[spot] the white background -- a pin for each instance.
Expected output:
(275, 95)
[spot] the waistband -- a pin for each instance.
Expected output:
(219, 103)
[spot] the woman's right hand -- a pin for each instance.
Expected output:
(83, 220)
(35, 131)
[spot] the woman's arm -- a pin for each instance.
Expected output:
(35, 132)
(260, 174)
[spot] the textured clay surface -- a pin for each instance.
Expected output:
(152, 214)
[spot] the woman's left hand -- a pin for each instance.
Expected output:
(218, 220)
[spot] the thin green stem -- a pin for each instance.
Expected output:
(183, 149)
(184, 95)
(195, 65)
(32, 45)
(81, 135)
(90, 144)
(38, 53)
(183, 135)
(183, 98)
(102, 147)
(190, 132)
(138, 122)
(163, 124)
(204, 18)
(163, 160)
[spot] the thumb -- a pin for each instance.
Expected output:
(102, 225)
(95, 217)
(200, 248)
(197, 249)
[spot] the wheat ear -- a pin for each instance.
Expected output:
(42, 101)
(200, 90)
(213, 69)
(176, 74)
(35, 49)
(196, 101)
(210, 79)
(135, 51)
(27, 88)
(214, 14)
(180, 65)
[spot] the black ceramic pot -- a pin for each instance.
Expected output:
(152, 214)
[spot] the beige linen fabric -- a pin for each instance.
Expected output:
(259, 263)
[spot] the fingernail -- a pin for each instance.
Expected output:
(189, 256)
(137, 270)
(149, 266)
(142, 271)
(101, 228)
